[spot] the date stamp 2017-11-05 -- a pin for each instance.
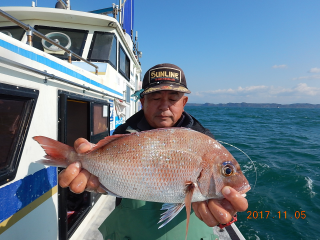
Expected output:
(278, 215)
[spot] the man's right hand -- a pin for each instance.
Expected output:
(77, 179)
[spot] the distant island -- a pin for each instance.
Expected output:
(256, 105)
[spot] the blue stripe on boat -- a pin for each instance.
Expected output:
(19, 194)
(45, 61)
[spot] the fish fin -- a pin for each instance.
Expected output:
(172, 210)
(109, 192)
(107, 140)
(57, 152)
(190, 186)
(48, 160)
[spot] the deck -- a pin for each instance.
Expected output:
(106, 205)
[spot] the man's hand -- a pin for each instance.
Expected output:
(78, 179)
(214, 211)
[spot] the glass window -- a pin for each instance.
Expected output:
(14, 31)
(128, 94)
(10, 112)
(113, 53)
(100, 121)
(124, 64)
(16, 110)
(100, 118)
(104, 48)
(72, 39)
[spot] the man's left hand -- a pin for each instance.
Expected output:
(221, 211)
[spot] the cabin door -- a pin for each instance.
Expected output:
(79, 116)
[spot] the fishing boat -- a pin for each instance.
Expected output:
(64, 74)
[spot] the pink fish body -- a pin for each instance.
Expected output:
(169, 165)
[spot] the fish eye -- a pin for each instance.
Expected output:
(227, 169)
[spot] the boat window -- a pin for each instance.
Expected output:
(16, 109)
(104, 48)
(128, 94)
(14, 31)
(100, 121)
(124, 64)
(72, 39)
(113, 52)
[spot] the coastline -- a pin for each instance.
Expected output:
(256, 105)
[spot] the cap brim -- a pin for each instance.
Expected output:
(163, 87)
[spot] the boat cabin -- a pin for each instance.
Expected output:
(64, 74)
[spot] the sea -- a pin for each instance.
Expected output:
(284, 174)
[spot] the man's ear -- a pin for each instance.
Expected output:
(142, 101)
(185, 100)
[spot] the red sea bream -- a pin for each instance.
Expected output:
(175, 166)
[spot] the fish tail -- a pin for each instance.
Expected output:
(58, 154)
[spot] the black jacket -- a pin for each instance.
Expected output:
(138, 122)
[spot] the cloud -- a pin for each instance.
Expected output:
(314, 70)
(280, 66)
(303, 88)
(307, 77)
(300, 90)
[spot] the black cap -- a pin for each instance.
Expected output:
(164, 76)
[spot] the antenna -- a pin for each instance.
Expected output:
(120, 13)
(68, 4)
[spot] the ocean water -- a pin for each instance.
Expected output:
(284, 145)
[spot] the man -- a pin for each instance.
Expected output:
(163, 101)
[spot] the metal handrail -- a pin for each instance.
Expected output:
(32, 30)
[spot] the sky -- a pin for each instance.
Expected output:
(250, 51)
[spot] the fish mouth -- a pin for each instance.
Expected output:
(243, 191)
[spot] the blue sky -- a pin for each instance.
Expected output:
(231, 51)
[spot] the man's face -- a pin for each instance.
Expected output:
(163, 108)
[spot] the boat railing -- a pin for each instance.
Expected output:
(30, 31)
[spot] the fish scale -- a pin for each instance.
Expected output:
(167, 170)
(170, 150)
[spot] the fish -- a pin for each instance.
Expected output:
(174, 166)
